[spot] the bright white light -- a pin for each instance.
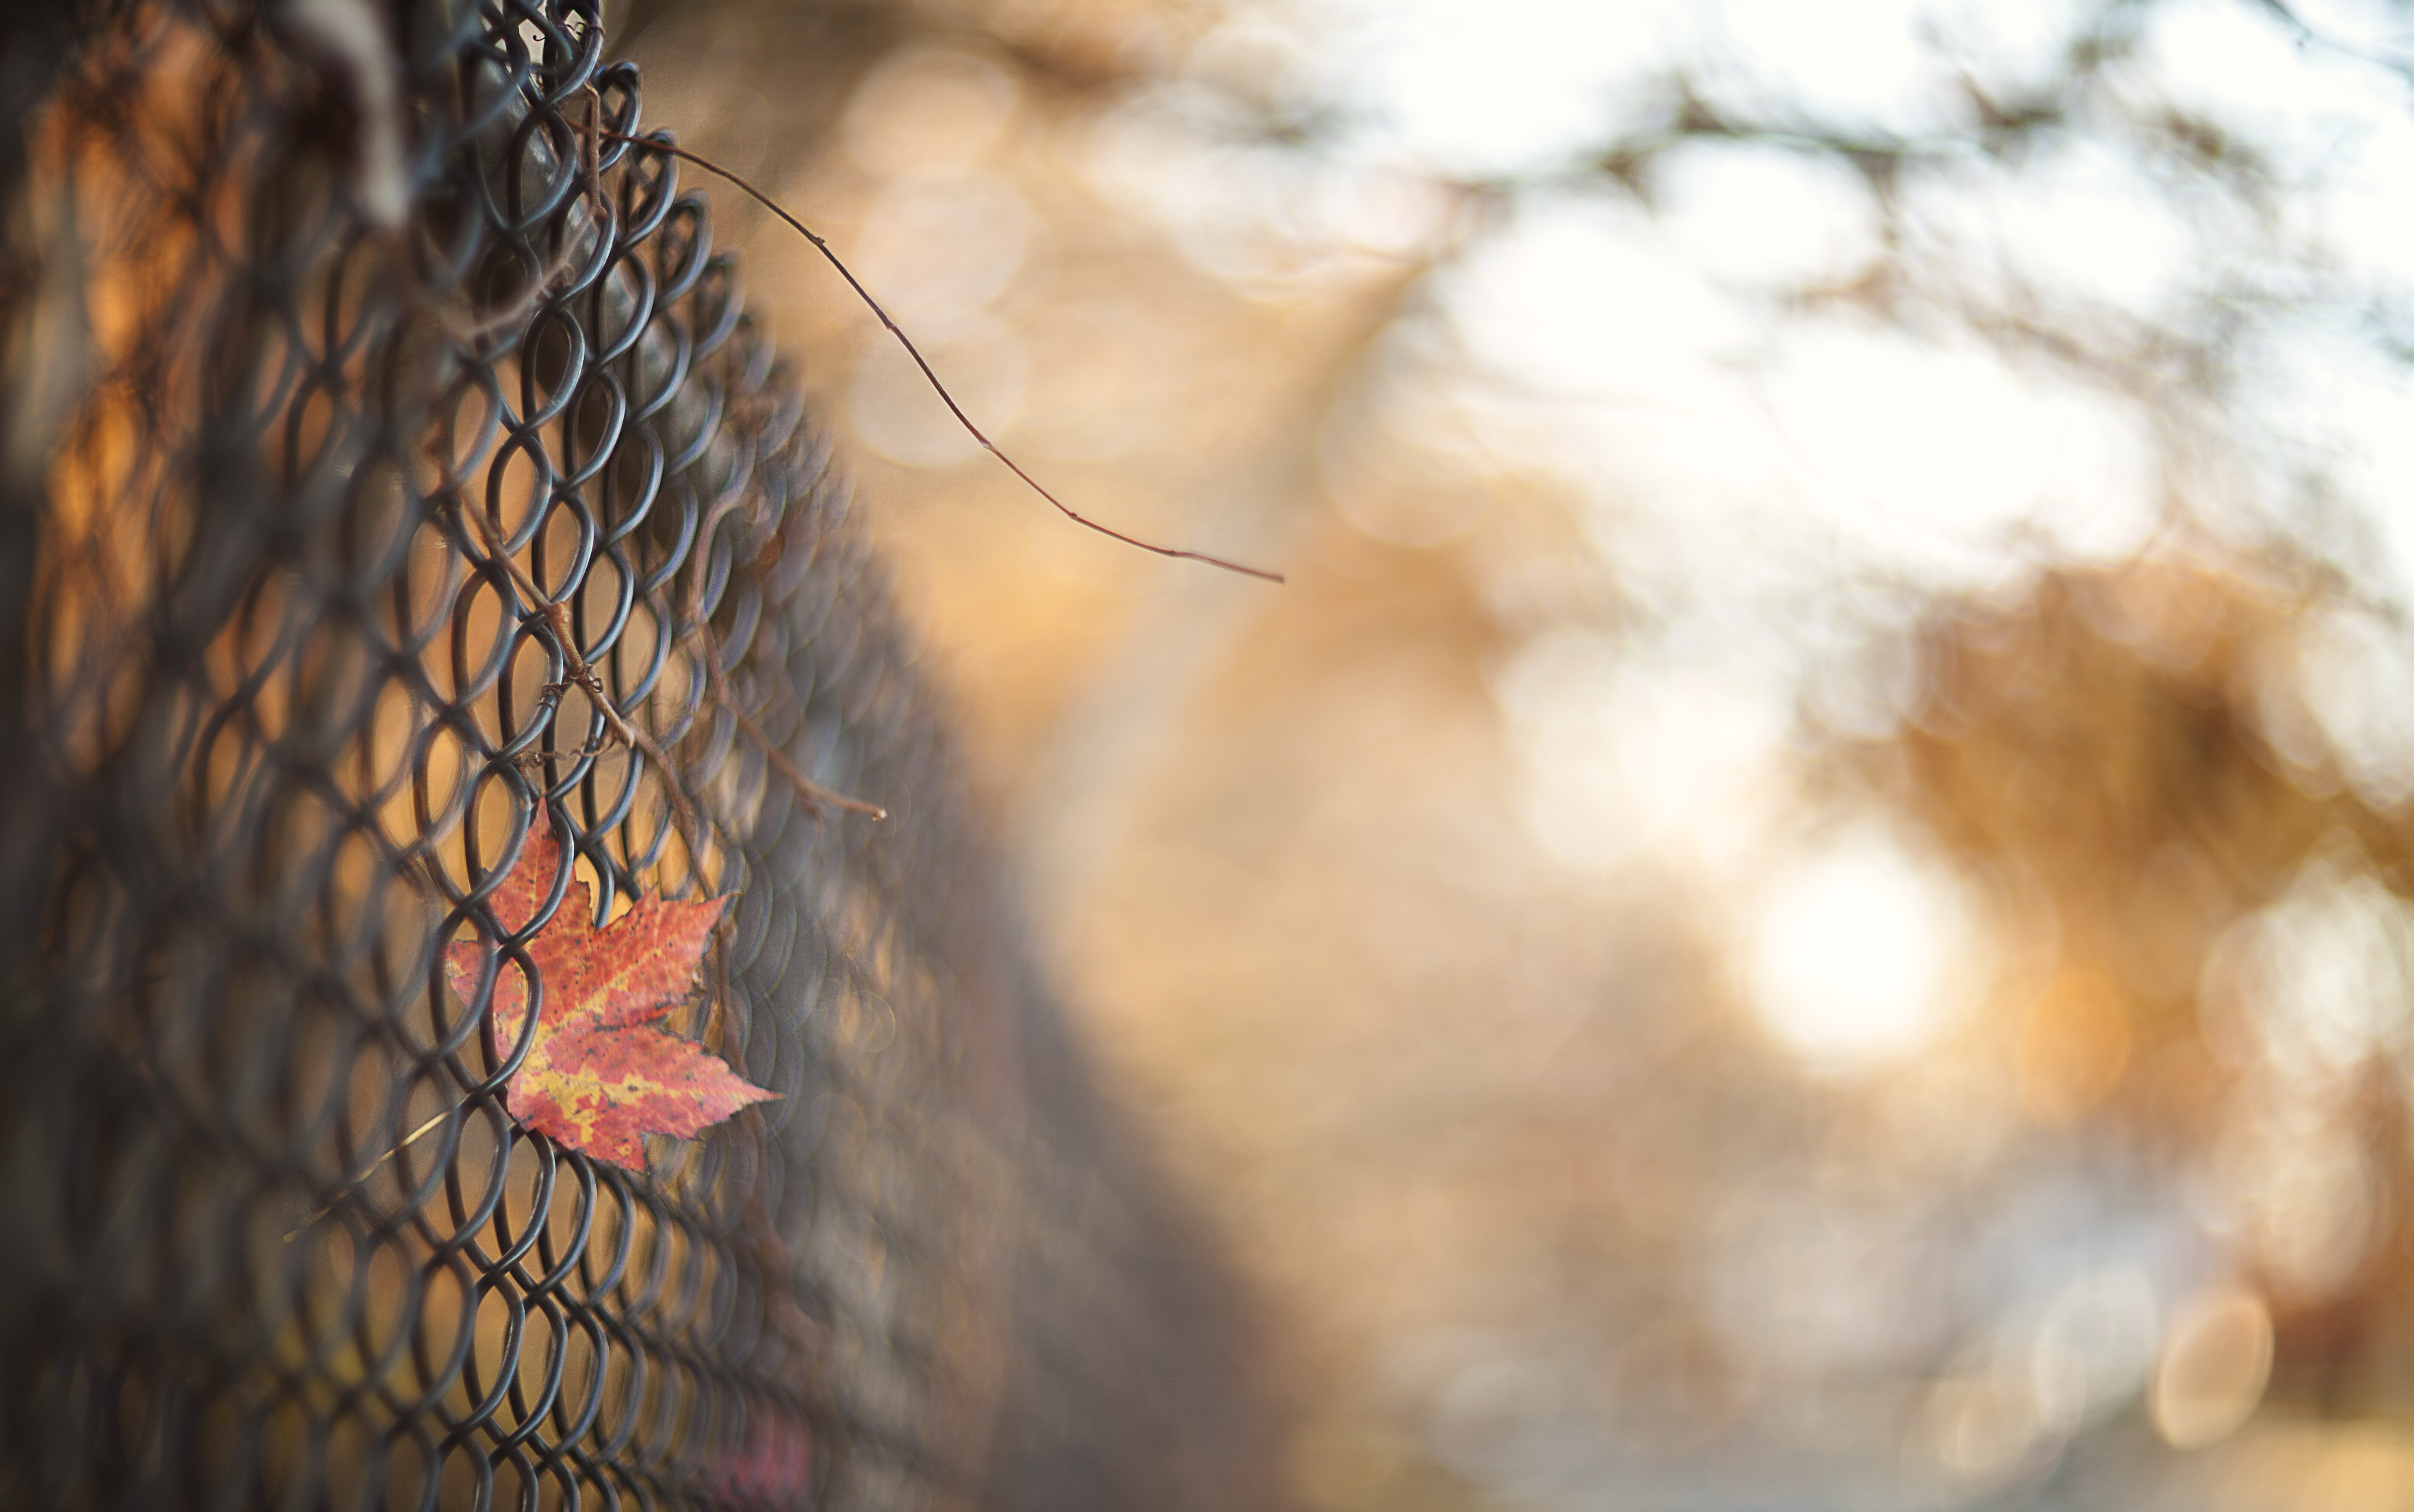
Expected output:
(2362, 202)
(1484, 88)
(1902, 453)
(2247, 67)
(1591, 299)
(1759, 217)
(2007, 49)
(1925, 454)
(2081, 220)
(1637, 340)
(2327, 403)
(1863, 61)
(1858, 952)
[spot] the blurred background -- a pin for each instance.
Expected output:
(1803, 902)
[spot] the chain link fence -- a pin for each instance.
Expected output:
(389, 458)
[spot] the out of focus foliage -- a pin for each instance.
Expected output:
(1807, 889)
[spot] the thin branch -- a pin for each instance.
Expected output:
(811, 793)
(579, 673)
(652, 144)
(557, 620)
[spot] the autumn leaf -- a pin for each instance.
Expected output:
(602, 1071)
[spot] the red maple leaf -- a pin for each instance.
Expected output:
(601, 1071)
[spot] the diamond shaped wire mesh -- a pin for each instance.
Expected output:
(278, 713)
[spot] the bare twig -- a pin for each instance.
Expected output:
(811, 793)
(578, 672)
(653, 144)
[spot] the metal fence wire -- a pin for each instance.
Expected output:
(342, 337)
